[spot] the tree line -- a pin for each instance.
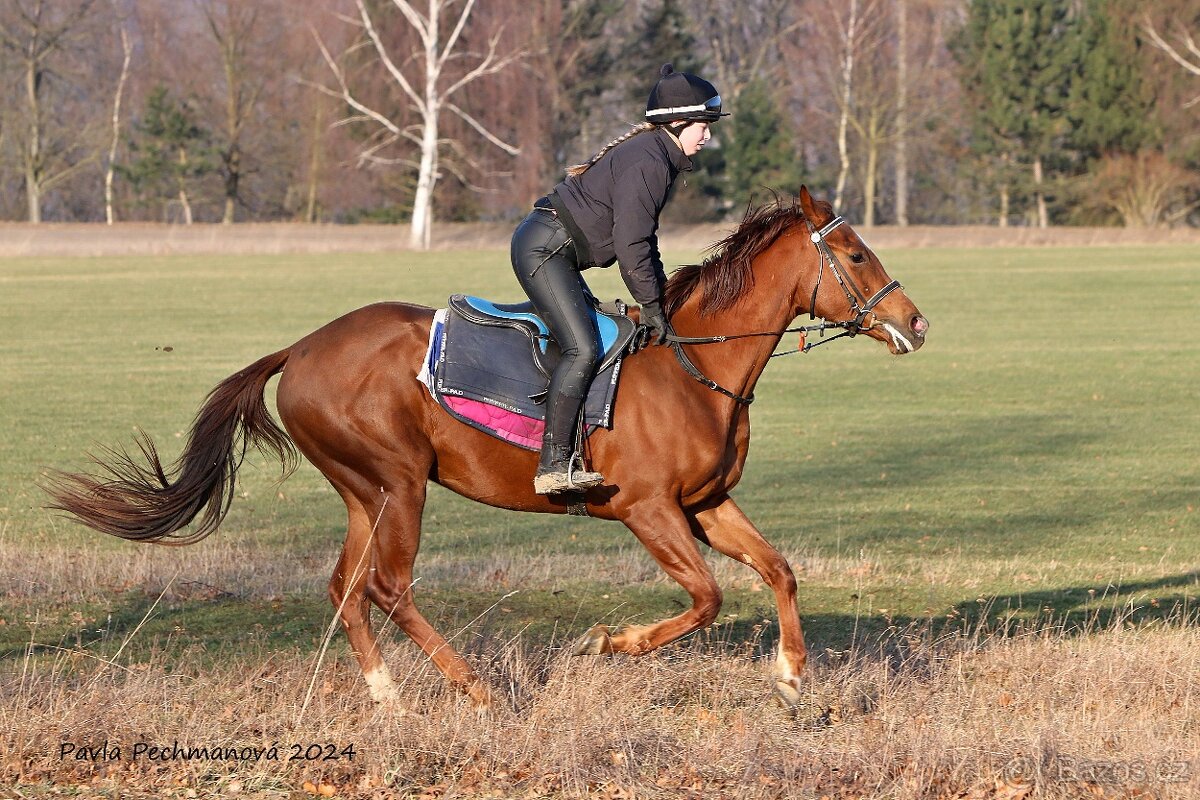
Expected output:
(1008, 112)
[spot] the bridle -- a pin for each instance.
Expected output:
(860, 305)
(853, 294)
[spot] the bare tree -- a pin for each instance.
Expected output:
(302, 159)
(568, 60)
(429, 93)
(1145, 189)
(848, 33)
(743, 45)
(234, 25)
(127, 51)
(315, 157)
(875, 105)
(894, 94)
(901, 151)
(39, 31)
(862, 91)
(1189, 60)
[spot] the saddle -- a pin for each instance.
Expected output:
(616, 329)
(489, 365)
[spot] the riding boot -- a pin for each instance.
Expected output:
(556, 468)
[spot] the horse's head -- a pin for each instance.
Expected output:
(850, 284)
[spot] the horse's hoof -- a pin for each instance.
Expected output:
(595, 642)
(481, 696)
(802, 709)
(392, 707)
(387, 697)
(388, 702)
(788, 696)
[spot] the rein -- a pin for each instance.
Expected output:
(860, 306)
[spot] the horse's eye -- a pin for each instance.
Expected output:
(857, 258)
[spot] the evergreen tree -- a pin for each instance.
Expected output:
(1110, 108)
(586, 69)
(665, 35)
(760, 154)
(170, 152)
(1016, 61)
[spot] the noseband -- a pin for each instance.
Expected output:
(860, 305)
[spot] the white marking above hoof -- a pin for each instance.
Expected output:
(381, 686)
(787, 681)
(788, 695)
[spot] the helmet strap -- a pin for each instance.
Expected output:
(673, 131)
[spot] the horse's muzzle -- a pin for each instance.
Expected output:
(902, 337)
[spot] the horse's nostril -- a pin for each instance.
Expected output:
(919, 325)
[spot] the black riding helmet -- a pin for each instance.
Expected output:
(682, 97)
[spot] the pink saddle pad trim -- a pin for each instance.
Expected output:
(508, 425)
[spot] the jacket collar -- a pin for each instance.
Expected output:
(675, 150)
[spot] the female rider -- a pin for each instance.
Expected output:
(605, 210)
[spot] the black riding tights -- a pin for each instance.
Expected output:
(546, 267)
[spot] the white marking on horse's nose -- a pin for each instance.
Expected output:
(902, 344)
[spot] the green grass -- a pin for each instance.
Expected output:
(1037, 456)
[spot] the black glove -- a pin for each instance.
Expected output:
(654, 319)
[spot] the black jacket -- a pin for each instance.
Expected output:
(614, 207)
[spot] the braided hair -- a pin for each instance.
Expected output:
(579, 169)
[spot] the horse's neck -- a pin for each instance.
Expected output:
(737, 364)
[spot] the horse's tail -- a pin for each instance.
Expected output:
(137, 499)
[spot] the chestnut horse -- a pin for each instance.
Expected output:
(350, 402)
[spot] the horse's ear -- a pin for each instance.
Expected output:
(806, 203)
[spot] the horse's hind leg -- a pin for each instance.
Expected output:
(390, 585)
(348, 593)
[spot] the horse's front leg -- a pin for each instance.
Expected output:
(663, 528)
(726, 528)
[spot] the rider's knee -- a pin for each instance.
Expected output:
(587, 353)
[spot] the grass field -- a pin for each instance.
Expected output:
(1029, 477)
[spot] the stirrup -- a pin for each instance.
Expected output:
(569, 481)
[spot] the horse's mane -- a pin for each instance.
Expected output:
(726, 274)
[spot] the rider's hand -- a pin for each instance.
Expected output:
(653, 318)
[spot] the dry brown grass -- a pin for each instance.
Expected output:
(979, 714)
(76, 570)
(68, 573)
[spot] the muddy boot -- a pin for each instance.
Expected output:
(558, 469)
(556, 472)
